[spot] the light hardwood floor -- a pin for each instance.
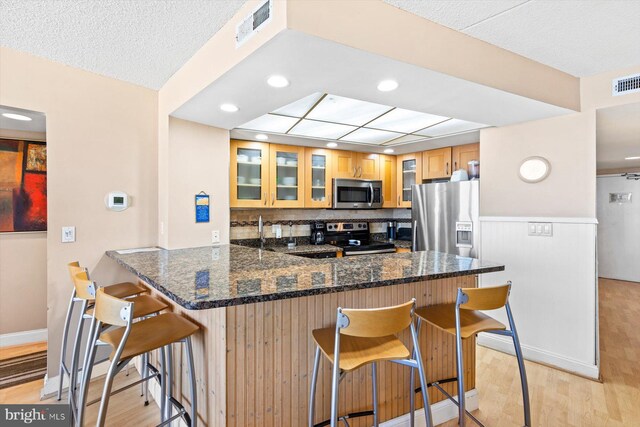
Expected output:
(21, 350)
(558, 398)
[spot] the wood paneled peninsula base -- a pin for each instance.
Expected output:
(256, 309)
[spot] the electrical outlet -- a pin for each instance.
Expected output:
(68, 234)
(215, 236)
(276, 229)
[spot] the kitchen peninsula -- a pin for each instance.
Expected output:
(256, 309)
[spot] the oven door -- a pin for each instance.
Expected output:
(356, 194)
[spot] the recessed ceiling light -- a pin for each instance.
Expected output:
(387, 85)
(228, 108)
(632, 158)
(17, 117)
(262, 137)
(277, 81)
(388, 150)
(332, 144)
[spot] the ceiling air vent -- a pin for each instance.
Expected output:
(252, 23)
(625, 85)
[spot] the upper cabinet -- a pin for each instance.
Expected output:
(388, 172)
(286, 176)
(436, 163)
(318, 177)
(367, 166)
(348, 164)
(249, 174)
(461, 155)
(409, 172)
(344, 164)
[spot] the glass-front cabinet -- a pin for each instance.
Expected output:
(318, 178)
(409, 173)
(286, 176)
(249, 174)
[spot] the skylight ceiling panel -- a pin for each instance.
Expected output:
(405, 121)
(270, 123)
(323, 130)
(449, 127)
(371, 136)
(348, 111)
(300, 107)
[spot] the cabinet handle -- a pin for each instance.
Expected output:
(273, 198)
(399, 200)
(360, 174)
(455, 166)
(355, 171)
(264, 195)
(447, 171)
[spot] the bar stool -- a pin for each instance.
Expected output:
(361, 337)
(120, 290)
(85, 291)
(131, 339)
(463, 320)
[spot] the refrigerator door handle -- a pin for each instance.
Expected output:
(413, 236)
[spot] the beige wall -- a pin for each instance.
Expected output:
(595, 91)
(23, 270)
(101, 136)
(198, 161)
(568, 142)
(23, 282)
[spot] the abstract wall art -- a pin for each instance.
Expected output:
(23, 185)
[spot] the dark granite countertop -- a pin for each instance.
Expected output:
(226, 275)
(304, 249)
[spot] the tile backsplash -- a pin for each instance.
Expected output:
(244, 222)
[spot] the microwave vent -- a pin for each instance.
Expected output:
(625, 85)
(253, 22)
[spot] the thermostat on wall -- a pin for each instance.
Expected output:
(117, 201)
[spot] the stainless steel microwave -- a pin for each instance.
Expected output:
(357, 194)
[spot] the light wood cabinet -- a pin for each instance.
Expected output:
(409, 172)
(367, 166)
(388, 175)
(286, 176)
(344, 164)
(249, 174)
(461, 155)
(436, 163)
(349, 164)
(318, 175)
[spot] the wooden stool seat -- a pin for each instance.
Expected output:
(124, 290)
(143, 305)
(358, 351)
(150, 334)
(443, 317)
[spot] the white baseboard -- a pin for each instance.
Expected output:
(25, 337)
(442, 412)
(505, 345)
(51, 384)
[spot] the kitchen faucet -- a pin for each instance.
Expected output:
(261, 232)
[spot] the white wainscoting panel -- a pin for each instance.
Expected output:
(554, 291)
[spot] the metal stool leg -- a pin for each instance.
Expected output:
(90, 355)
(335, 381)
(460, 368)
(423, 378)
(314, 381)
(194, 389)
(523, 373)
(145, 385)
(65, 336)
(163, 384)
(168, 407)
(374, 381)
(75, 356)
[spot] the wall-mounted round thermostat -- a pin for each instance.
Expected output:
(117, 201)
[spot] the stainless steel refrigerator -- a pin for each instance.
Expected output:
(445, 217)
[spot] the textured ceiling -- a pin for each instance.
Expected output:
(579, 37)
(142, 42)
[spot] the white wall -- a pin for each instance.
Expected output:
(618, 230)
(553, 295)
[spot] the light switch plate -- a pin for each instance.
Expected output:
(540, 229)
(68, 234)
(215, 236)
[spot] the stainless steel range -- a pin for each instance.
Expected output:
(354, 239)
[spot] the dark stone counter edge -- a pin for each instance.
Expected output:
(251, 299)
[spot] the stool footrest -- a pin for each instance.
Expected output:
(451, 398)
(346, 417)
(435, 383)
